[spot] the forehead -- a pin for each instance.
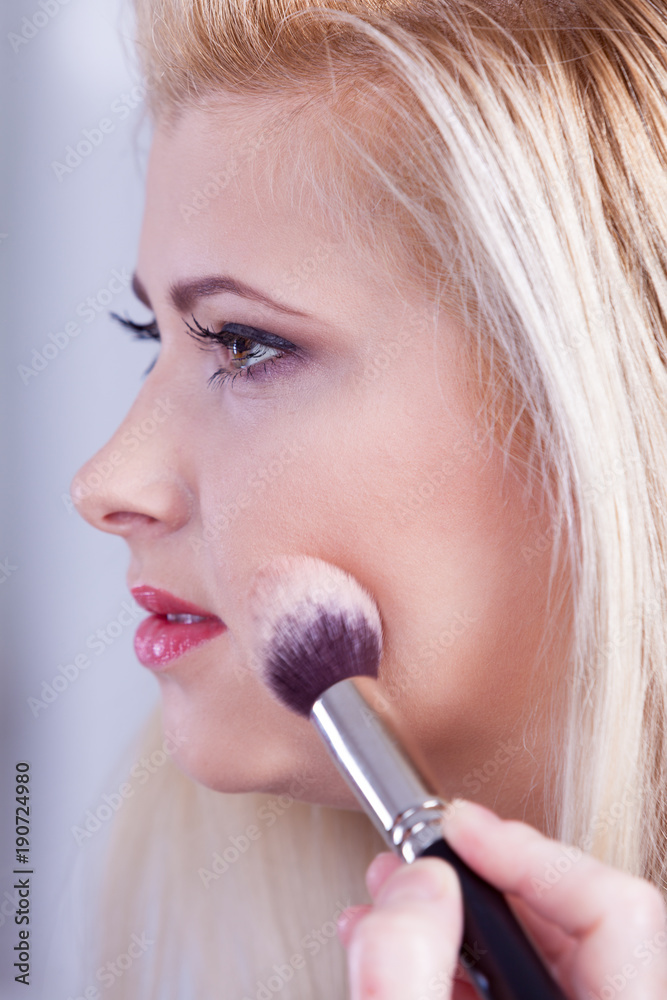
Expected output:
(220, 199)
(229, 191)
(212, 191)
(210, 164)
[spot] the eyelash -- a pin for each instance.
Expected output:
(227, 337)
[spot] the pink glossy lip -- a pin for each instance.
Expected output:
(158, 641)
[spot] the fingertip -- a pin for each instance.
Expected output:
(379, 870)
(424, 879)
(463, 814)
(347, 922)
(412, 936)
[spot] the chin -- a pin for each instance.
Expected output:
(251, 776)
(234, 757)
(220, 767)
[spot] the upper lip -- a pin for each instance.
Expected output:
(161, 602)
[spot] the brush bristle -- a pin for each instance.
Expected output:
(314, 625)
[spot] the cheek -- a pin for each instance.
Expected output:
(427, 522)
(424, 520)
(354, 457)
(391, 501)
(473, 655)
(229, 733)
(234, 738)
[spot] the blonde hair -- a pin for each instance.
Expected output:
(516, 168)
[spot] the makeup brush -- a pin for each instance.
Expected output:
(317, 639)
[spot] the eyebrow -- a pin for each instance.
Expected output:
(183, 294)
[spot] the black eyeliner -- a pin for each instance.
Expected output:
(150, 331)
(241, 331)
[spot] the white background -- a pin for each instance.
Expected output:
(60, 241)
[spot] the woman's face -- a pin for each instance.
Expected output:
(356, 442)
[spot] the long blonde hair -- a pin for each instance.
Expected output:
(515, 163)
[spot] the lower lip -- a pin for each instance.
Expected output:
(158, 641)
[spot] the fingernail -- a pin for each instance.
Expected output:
(463, 810)
(379, 870)
(347, 921)
(433, 879)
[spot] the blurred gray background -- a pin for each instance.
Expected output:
(63, 234)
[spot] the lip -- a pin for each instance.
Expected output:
(158, 641)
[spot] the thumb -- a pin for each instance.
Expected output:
(406, 947)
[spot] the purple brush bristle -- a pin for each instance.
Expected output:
(314, 626)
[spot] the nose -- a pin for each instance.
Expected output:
(134, 481)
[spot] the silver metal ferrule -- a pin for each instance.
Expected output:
(396, 794)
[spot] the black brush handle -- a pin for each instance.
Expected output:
(498, 957)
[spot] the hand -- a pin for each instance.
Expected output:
(601, 932)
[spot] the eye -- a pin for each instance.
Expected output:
(252, 350)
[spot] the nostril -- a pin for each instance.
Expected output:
(121, 496)
(120, 518)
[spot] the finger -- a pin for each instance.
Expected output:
(617, 920)
(560, 882)
(553, 943)
(410, 940)
(348, 920)
(379, 870)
